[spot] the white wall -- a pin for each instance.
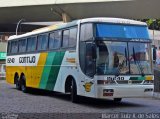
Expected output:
(3, 47)
(156, 34)
(12, 3)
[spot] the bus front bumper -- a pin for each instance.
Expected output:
(124, 91)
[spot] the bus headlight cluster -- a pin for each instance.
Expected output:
(108, 92)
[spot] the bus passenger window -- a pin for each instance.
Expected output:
(14, 47)
(72, 37)
(86, 32)
(57, 40)
(42, 42)
(9, 47)
(65, 38)
(51, 40)
(22, 45)
(31, 45)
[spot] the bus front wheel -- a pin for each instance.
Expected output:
(16, 80)
(74, 96)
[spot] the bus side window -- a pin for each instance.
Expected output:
(65, 41)
(14, 46)
(9, 47)
(31, 44)
(86, 32)
(73, 37)
(57, 40)
(22, 45)
(42, 42)
(51, 40)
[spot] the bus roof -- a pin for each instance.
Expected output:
(73, 23)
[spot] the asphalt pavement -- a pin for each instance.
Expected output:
(43, 104)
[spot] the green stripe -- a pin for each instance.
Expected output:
(137, 78)
(56, 64)
(46, 70)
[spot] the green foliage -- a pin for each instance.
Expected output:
(149, 22)
(159, 22)
(152, 23)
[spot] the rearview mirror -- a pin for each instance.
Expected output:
(94, 52)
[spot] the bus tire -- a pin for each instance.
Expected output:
(117, 100)
(23, 84)
(74, 96)
(18, 86)
(17, 82)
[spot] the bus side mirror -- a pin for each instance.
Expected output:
(94, 52)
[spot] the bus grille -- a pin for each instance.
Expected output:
(129, 82)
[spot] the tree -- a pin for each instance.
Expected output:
(152, 23)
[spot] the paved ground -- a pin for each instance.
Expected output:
(13, 101)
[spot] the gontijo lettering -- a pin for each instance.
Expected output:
(31, 59)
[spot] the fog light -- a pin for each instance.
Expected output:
(148, 90)
(108, 92)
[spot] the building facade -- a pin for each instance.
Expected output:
(7, 30)
(3, 45)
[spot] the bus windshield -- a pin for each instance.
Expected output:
(116, 54)
(122, 58)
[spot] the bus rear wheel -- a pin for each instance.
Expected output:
(18, 86)
(74, 96)
(23, 84)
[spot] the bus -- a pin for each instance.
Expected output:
(103, 58)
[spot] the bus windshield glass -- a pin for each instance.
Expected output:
(118, 54)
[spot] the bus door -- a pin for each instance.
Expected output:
(88, 64)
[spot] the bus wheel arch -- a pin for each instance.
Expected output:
(71, 86)
(68, 84)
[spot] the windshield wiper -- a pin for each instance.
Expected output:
(141, 68)
(126, 56)
(138, 62)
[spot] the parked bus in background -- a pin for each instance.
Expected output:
(105, 58)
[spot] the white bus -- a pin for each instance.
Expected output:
(104, 58)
